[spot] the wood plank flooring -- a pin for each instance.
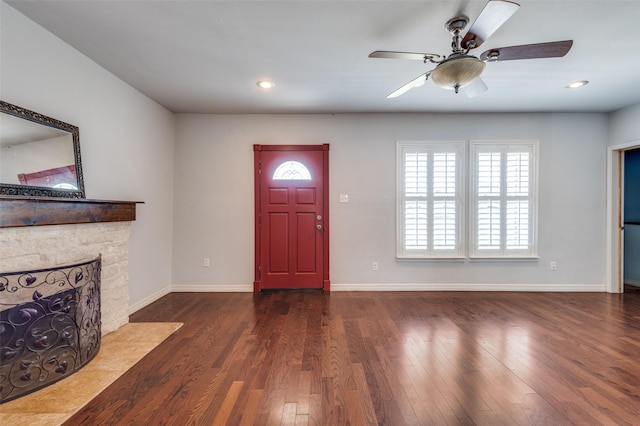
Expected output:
(386, 358)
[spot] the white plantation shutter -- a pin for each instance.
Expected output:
(488, 225)
(518, 230)
(415, 195)
(445, 189)
(432, 208)
(429, 199)
(489, 217)
(415, 225)
(504, 199)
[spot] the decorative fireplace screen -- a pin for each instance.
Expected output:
(49, 325)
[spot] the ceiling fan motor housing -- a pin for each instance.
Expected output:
(457, 71)
(456, 25)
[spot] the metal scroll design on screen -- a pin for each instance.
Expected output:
(50, 325)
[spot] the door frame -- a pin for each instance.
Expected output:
(257, 149)
(614, 265)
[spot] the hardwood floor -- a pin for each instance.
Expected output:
(628, 288)
(413, 358)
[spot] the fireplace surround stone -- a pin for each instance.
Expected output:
(43, 247)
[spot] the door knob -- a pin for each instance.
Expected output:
(319, 227)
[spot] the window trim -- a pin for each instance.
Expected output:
(467, 207)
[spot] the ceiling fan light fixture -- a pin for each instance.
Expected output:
(457, 71)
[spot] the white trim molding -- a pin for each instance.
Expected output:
(613, 277)
(584, 288)
(149, 300)
(248, 288)
(212, 288)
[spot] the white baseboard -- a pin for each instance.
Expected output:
(585, 288)
(149, 300)
(212, 288)
(190, 288)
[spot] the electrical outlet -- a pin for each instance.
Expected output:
(374, 266)
(553, 265)
(206, 262)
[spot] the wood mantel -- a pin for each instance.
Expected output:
(16, 211)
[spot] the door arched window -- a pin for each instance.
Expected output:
(292, 170)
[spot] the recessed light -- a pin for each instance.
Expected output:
(265, 84)
(576, 84)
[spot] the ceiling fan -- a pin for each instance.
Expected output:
(460, 70)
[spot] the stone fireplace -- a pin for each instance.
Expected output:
(49, 233)
(29, 248)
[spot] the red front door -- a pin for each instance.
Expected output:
(292, 236)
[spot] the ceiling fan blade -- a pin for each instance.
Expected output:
(418, 81)
(494, 14)
(403, 55)
(475, 88)
(554, 49)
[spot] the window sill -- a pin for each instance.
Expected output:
(431, 258)
(503, 258)
(472, 259)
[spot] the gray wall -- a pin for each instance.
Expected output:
(624, 125)
(126, 139)
(625, 130)
(214, 209)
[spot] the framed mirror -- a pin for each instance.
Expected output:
(39, 155)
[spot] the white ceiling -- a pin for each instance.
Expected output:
(206, 56)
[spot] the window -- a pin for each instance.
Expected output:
(432, 207)
(504, 204)
(430, 195)
(291, 170)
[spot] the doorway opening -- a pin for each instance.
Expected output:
(617, 226)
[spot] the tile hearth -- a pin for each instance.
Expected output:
(120, 350)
